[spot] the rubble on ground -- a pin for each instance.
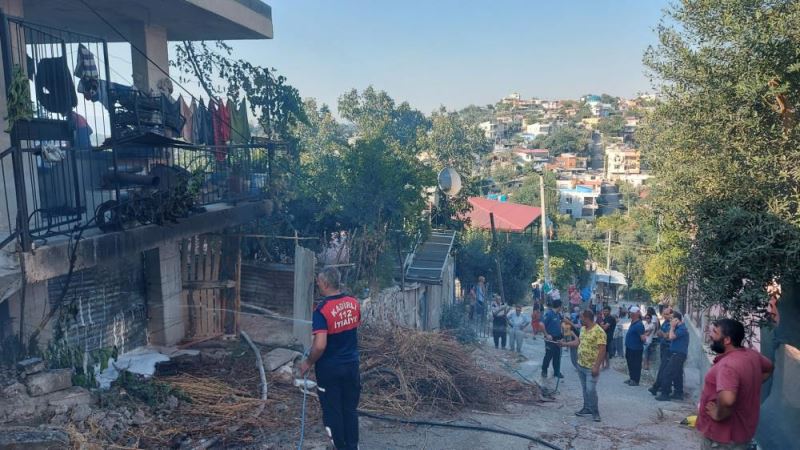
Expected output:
(209, 397)
(35, 392)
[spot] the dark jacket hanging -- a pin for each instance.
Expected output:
(55, 89)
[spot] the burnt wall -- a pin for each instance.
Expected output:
(107, 306)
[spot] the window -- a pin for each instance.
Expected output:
(587, 212)
(569, 200)
(569, 212)
(588, 200)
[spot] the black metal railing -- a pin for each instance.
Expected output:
(69, 167)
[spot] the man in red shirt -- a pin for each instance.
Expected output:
(731, 398)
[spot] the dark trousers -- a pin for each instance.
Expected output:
(673, 378)
(499, 338)
(662, 366)
(551, 352)
(634, 359)
(339, 392)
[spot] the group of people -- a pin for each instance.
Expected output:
(729, 403)
(730, 400)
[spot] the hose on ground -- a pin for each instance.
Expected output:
(458, 426)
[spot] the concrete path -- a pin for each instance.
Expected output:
(632, 419)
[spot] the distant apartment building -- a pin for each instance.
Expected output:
(624, 164)
(532, 155)
(539, 129)
(570, 162)
(622, 161)
(492, 130)
(601, 109)
(579, 201)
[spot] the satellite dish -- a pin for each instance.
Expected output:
(449, 181)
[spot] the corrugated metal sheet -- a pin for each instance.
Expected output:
(269, 286)
(108, 306)
(430, 258)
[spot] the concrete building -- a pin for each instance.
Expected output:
(579, 201)
(570, 162)
(539, 129)
(94, 274)
(532, 155)
(621, 161)
(492, 130)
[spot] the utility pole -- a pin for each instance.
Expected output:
(497, 259)
(608, 251)
(545, 253)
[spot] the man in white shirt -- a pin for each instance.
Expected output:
(517, 322)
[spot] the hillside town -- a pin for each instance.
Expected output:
(203, 247)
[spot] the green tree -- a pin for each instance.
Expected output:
(376, 116)
(473, 115)
(567, 139)
(611, 125)
(529, 192)
(450, 142)
(723, 143)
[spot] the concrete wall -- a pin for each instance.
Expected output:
(303, 306)
(419, 306)
(780, 412)
(393, 306)
(107, 307)
(165, 308)
(698, 361)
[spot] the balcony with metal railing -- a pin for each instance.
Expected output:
(86, 153)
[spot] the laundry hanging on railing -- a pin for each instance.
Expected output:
(240, 129)
(86, 71)
(187, 112)
(55, 89)
(221, 119)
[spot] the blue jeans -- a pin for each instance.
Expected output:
(589, 386)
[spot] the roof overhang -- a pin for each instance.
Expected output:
(184, 20)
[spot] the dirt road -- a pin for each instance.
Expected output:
(632, 419)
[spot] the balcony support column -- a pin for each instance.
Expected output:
(152, 40)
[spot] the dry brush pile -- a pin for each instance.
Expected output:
(405, 371)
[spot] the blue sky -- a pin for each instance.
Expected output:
(454, 53)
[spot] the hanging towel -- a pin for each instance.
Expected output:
(198, 126)
(212, 114)
(186, 112)
(221, 120)
(222, 123)
(54, 87)
(240, 129)
(86, 70)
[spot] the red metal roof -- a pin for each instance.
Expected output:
(507, 216)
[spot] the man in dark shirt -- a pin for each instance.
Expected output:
(664, 353)
(334, 355)
(679, 348)
(609, 324)
(552, 333)
(634, 346)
